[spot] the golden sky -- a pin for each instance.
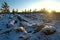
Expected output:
(47, 4)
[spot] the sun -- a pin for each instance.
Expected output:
(49, 5)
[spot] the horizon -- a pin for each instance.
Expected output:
(33, 4)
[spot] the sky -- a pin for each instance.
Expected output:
(33, 4)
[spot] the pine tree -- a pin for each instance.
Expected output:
(13, 11)
(5, 8)
(16, 10)
(30, 10)
(25, 10)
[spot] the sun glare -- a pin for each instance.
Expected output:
(49, 5)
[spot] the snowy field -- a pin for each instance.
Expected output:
(34, 26)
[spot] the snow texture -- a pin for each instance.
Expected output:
(24, 26)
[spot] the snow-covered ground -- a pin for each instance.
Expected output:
(36, 26)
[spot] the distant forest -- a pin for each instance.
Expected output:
(5, 9)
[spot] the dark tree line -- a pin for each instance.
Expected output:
(5, 9)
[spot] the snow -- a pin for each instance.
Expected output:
(22, 28)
